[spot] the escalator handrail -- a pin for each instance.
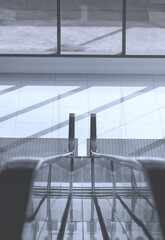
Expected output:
(41, 161)
(132, 162)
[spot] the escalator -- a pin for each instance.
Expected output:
(71, 197)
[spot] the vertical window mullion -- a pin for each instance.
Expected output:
(58, 27)
(124, 28)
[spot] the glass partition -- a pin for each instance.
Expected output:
(91, 27)
(126, 203)
(28, 27)
(121, 206)
(78, 28)
(145, 34)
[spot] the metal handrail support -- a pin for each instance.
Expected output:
(101, 220)
(154, 169)
(61, 232)
(71, 138)
(136, 163)
(93, 147)
(41, 161)
(113, 179)
(71, 145)
(93, 133)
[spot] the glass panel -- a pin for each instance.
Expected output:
(47, 222)
(28, 26)
(145, 27)
(129, 211)
(91, 27)
(82, 221)
(103, 175)
(82, 174)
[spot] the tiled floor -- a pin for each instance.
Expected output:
(38, 105)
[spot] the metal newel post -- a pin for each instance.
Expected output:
(93, 147)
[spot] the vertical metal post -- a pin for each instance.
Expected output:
(71, 222)
(58, 27)
(93, 174)
(71, 144)
(114, 192)
(61, 232)
(101, 219)
(49, 222)
(113, 180)
(124, 9)
(92, 230)
(49, 178)
(133, 182)
(93, 147)
(48, 202)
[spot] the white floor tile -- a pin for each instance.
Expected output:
(142, 115)
(7, 113)
(9, 100)
(100, 102)
(60, 131)
(144, 100)
(31, 99)
(130, 92)
(37, 115)
(68, 90)
(144, 131)
(76, 100)
(62, 114)
(6, 88)
(38, 89)
(7, 128)
(44, 102)
(160, 93)
(32, 130)
(110, 131)
(113, 115)
(162, 115)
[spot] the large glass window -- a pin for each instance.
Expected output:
(28, 26)
(91, 27)
(82, 27)
(145, 33)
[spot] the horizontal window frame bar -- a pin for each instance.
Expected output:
(79, 65)
(82, 56)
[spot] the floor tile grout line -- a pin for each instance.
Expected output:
(158, 106)
(21, 83)
(123, 107)
(55, 76)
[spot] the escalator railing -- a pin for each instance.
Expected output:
(152, 168)
(126, 190)
(16, 182)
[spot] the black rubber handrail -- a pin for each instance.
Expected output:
(93, 134)
(16, 181)
(15, 188)
(71, 142)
